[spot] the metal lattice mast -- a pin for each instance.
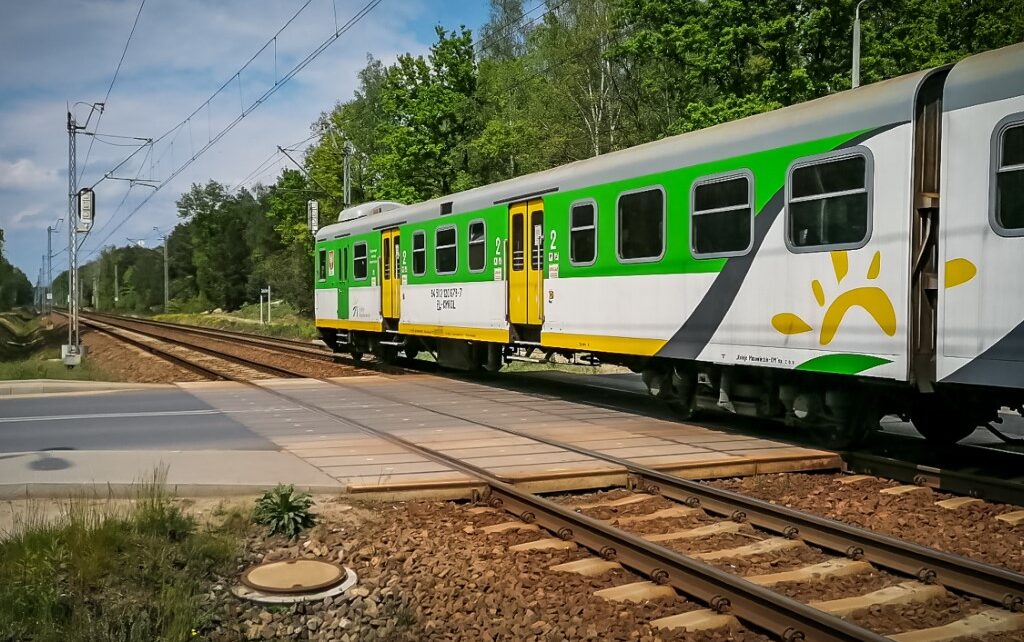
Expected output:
(72, 245)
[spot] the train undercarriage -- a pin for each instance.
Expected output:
(837, 411)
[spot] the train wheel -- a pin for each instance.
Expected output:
(939, 422)
(357, 355)
(847, 432)
(684, 403)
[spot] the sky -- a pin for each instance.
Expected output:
(57, 53)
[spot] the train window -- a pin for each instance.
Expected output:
(344, 264)
(537, 248)
(359, 262)
(828, 201)
(722, 215)
(477, 246)
(322, 261)
(518, 246)
(1009, 180)
(386, 249)
(583, 233)
(641, 225)
(419, 253)
(445, 251)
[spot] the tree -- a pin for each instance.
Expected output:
(15, 288)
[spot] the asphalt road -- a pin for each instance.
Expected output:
(133, 420)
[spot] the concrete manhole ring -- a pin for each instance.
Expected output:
(293, 576)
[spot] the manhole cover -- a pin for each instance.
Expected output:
(293, 576)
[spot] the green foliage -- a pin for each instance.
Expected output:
(15, 288)
(100, 572)
(284, 511)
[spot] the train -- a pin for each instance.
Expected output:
(824, 264)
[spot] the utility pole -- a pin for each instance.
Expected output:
(856, 45)
(163, 238)
(72, 353)
(50, 229)
(347, 180)
(96, 291)
(117, 289)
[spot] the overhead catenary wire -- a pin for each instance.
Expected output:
(298, 67)
(110, 87)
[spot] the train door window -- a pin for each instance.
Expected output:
(828, 202)
(322, 263)
(445, 250)
(537, 237)
(359, 263)
(397, 244)
(1008, 186)
(641, 225)
(419, 253)
(583, 233)
(386, 248)
(722, 215)
(518, 247)
(477, 246)
(344, 264)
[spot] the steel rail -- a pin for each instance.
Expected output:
(945, 479)
(159, 352)
(251, 363)
(989, 582)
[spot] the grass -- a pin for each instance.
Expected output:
(43, 369)
(286, 322)
(137, 571)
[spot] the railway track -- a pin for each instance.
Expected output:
(752, 601)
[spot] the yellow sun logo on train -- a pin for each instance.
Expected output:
(870, 298)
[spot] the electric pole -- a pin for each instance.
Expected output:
(117, 290)
(163, 237)
(347, 179)
(856, 45)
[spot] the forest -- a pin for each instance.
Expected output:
(15, 288)
(536, 88)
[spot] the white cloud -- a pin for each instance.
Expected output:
(24, 173)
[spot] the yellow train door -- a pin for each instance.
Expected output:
(526, 270)
(391, 277)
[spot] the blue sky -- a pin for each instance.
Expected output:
(57, 52)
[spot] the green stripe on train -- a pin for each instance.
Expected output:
(846, 364)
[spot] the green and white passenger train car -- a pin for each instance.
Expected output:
(825, 264)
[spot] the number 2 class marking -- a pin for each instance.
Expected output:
(554, 235)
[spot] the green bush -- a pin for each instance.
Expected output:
(284, 511)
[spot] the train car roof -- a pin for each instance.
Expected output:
(865, 108)
(984, 78)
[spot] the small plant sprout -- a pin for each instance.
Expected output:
(285, 511)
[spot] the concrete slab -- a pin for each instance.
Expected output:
(902, 490)
(637, 592)
(1013, 518)
(546, 544)
(972, 626)
(509, 526)
(701, 531)
(769, 545)
(674, 511)
(702, 620)
(832, 568)
(904, 593)
(954, 503)
(588, 566)
(119, 473)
